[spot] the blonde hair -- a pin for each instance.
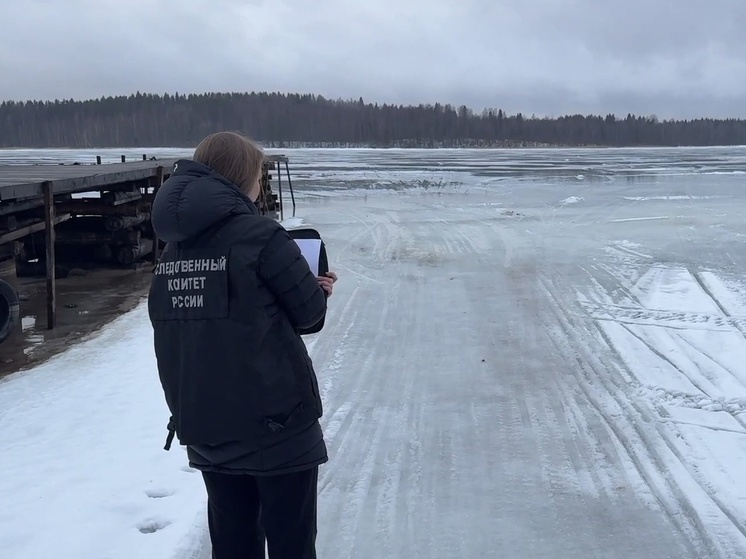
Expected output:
(232, 155)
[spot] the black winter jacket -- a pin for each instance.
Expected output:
(227, 298)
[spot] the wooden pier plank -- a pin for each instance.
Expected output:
(26, 181)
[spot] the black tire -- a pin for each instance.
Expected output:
(9, 310)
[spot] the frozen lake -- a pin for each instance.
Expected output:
(529, 354)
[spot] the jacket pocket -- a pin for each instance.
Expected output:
(307, 376)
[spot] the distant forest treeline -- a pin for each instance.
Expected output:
(287, 120)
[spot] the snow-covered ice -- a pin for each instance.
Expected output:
(503, 376)
(84, 474)
(292, 222)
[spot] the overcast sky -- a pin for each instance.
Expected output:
(672, 58)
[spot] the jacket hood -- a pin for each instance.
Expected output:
(194, 198)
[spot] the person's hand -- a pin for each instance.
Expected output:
(327, 282)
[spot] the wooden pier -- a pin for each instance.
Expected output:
(56, 219)
(115, 216)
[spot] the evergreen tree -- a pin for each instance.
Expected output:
(169, 120)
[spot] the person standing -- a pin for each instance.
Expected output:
(228, 297)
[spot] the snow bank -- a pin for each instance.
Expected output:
(84, 473)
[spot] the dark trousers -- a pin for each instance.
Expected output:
(243, 510)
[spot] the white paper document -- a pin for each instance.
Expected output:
(311, 251)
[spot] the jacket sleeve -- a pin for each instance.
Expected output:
(286, 274)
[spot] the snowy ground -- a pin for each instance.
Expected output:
(543, 366)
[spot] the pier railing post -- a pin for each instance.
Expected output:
(279, 190)
(290, 185)
(50, 242)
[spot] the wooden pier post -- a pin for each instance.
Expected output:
(159, 173)
(124, 159)
(49, 234)
(98, 160)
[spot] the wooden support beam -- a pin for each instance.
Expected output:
(119, 222)
(159, 173)
(9, 222)
(12, 206)
(130, 254)
(86, 238)
(94, 206)
(117, 198)
(49, 234)
(28, 230)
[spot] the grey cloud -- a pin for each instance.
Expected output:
(685, 58)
